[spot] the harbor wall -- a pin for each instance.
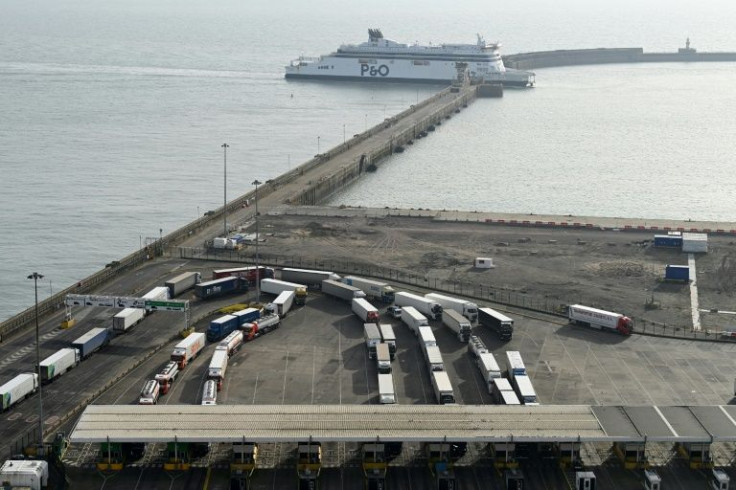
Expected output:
(599, 56)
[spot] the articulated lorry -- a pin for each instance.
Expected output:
(220, 287)
(167, 376)
(413, 319)
(600, 319)
(218, 367)
(341, 291)
(476, 347)
(524, 388)
(433, 356)
(442, 388)
(489, 369)
(383, 358)
(282, 304)
(92, 341)
(17, 389)
(377, 290)
(231, 344)
(187, 349)
(468, 309)
(276, 287)
(372, 338)
(183, 282)
(150, 393)
(260, 327)
(388, 337)
(386, 390)
(58, 363)
(430, 308)
(312, 278)
(127, 319)
(458, 324)
(247, 315)
(365, 311)
(221, 327)
(209, 393)
(249, 274)
(502, 325)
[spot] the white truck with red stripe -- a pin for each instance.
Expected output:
(187, 349)
(600, 319)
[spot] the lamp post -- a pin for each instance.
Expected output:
(258, 271)
(317, 145)
(225, 146)
(36, 276)
(343, 134)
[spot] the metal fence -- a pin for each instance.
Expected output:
(481, 292)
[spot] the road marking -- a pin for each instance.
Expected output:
(139, 479)
(693, 292)
(366, 359)
(339, 360)
(207, 479)
(255, 388)
(286, 371)
(314, 357)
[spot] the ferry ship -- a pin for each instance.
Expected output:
(381, 59)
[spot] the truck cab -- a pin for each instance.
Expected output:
(394, 311)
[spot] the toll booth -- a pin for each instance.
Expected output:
(309, 463)
(514, 479)
(440, 457)
(375, 465)
(110, 457)
(584, 480)
(719, 480)
(504, 455)
(567, 453)
(179, 455)
(697, 454)
(243, 463)
(652, 481)
(631, 454)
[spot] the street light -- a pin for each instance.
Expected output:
(343, 134)
(225, 146)
(36, 276)
(258, 271)
(317, 145)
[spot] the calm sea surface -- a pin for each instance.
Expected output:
(113, 113)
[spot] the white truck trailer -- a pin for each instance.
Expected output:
(25, 474)
(503, 393)
(524, 388)
(468, 309)
(514, 363)
(413, 319)
(17, 389)
(218, 367)
(383, 358)
(58, 363)
(386, 390)
(426, 336)
(388, 337)
(502, 325)
(282, 304)
(187, 349)
(442, 388)
(600, 319)
(341, 291)
(372, 338)
(159, 293)
(457, 323)
(127, 319)
(433, 356)
(489, 369)
(276, 286)
(364, 310)
(376, 290)
(183, 282)
(425, 306)
(476, 347)
(312, 278)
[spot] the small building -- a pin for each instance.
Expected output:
(694, 242)
(677, 273)
(483, 263)
(672, 241)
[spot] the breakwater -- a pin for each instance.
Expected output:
(599, 56)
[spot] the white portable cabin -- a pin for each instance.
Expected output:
(483, 263)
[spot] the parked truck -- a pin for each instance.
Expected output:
(250, 274)
(24, 474)
(386, 390)
(150, 392)
(276, 287)
(442, 388)
(372, 337)
(489, 369)
(167, 376)
(260, 327)
(220, 287)
(187, 349)
(58, 363)
(431, 309)
(282, 304)
(127, 319)
(159, 293)
(515, 364)
(413, 319)
(426, 336)
(476, 347)
(503, 393)
(383, 358)
(340, 290)
(377, 290)
(221, 327)
(209, 393)
(524, 388)
(92, 341)
(499, 323)
(468, 309)
(312, 278)
(247, 315)
(433, 356)
(183, 282)
(365, 311)
(600, 319)
(231, 344)
(218, 367)
(457, 323)
(17, 389)
(388, 337)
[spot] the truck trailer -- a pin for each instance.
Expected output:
(159, 293)
(430, 308)
(312, 278)
(250, 274)
(221, 327)
(372, 337)
(457, 323)
(600, 319)
(218, 367)
(442, 388)
(476, 347)
(377, 290)
(183, 282)
(231, 344)
(260, 327)
(209, 393)
(187, 349)
(167, 376)
(220, 287)
(383, 358)
(502, 325)
(276, 287)
(365, 311)
(92, 341)
(17, 389)
(340, 290)
(386, 390)
(149, 393)
(489, 369)
(524, 388)
(388, 337)
(413, 319)
(282, 304)
(127, 319)
(426, 336)
(515, 364)
(58, 363)
(433, 356)
(468, 309)
(247, 315)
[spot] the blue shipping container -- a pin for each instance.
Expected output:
(221, 327)
(677, 273)
(667, 241)
(247, 315)
(219, 287)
